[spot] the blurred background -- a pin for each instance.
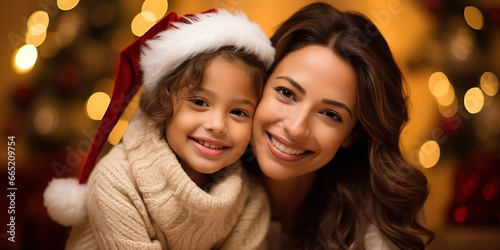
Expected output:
(59, 59)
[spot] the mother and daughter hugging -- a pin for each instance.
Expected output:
(245, 142)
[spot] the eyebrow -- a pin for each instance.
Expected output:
(214, 94)
(325, 101)
(294, 83)
(338, 104)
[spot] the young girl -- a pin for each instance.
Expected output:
(175, 180)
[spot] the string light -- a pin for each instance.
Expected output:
(429, 154)
(157, 7)
(96, 105)
(474, 100)
(24, 59)
(474, 17)
(489, 83)
(67, 4)
(117, 133)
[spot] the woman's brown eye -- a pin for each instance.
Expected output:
(285, 93)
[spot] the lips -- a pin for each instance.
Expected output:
(283, 148)
(209, 147)
(286, 150)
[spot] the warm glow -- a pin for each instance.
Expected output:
(46, 120)
(67, 28)
(450, 110)
(24, 58)
(481, 130)
(96, 105)
(51, 46)
(474, 100)
(67, 4)
(489, 83)
(474, 17)
(116, 134)
(104, 85)
(142, 22)
(439, 84)
(462, 44)
(157, 7)
(38, 18)
(120, 39)
(448, 97)
(36, 35)
(429, 154)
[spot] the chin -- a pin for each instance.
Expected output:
(276, 172)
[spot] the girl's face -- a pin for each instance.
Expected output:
(211, 128)
(307, 111)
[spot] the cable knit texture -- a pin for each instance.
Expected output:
(139, 197)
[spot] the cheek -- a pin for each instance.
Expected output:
(269, 110)
(241, 134)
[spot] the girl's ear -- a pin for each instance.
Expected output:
(350, 140)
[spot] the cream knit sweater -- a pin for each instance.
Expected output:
(139, 197)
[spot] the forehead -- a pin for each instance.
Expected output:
(228, 76)
(318, 70)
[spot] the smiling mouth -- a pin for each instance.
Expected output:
(208, 144)
(285, 149)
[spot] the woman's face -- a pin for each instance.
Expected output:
(307, 111)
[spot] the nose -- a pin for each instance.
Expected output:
(216, 123)
(296, 123)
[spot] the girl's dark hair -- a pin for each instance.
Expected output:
(157, 103)
(370, 182)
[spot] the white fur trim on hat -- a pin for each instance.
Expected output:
(202, 33)
(65, 201)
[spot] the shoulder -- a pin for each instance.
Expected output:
(375, 240)
(113, 165)
(112, 175)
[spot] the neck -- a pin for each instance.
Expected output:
(200, 179)
(287, 196)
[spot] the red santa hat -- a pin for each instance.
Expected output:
(147, 61)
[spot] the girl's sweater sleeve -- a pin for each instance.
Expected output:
(117, 217)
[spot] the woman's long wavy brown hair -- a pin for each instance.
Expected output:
(369, 182)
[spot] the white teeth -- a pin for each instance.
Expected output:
(209, 145)
(285, 149)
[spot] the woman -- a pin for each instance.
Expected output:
(326, 137)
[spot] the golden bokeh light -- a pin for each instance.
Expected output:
(157, 7)
(117, 133)
(474, 100)
(96, 105)
(429, 154)
(474, 17)
(448, 98)
(142, 22)
(67, 4)
(24, 59)
(438, 84)
(450, 110)
(489, 83)
(38, 18)
(36, 35)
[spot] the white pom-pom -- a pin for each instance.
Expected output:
(65, 201)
